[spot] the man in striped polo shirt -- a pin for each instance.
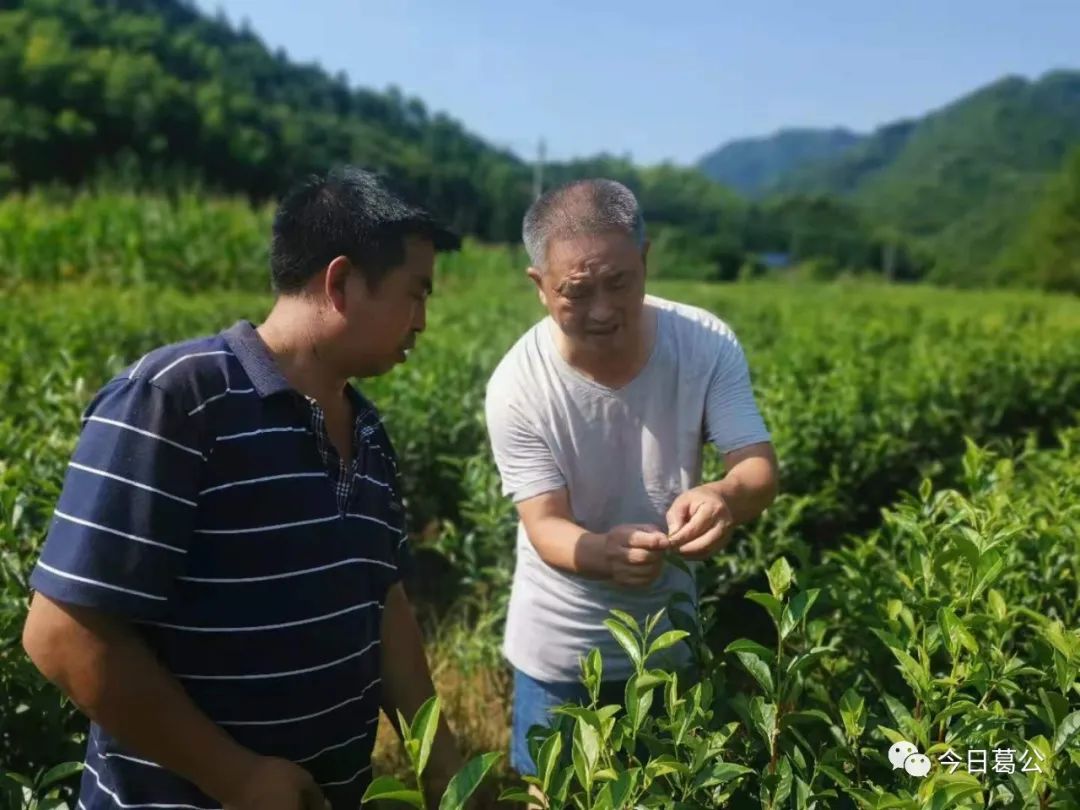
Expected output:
(220, 590)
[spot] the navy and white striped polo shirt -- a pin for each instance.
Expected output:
(197, 504)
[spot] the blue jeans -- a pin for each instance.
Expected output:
(534, 700)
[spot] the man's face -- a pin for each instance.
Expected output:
(594, 289)
(381, 324)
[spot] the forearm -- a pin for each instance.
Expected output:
(563, 544)
(748, 488)
(406, 678)
(107, 670)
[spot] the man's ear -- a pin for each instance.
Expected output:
(537, 276)
(336, 280)
(644, 254)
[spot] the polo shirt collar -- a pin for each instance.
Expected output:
(266, 378)
(261, 368)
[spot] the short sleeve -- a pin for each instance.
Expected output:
(732, 418)
(525, 461)
(123, 523)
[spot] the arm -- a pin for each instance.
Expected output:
(559, 541)
(406, 685)
(628, 555)
(701, 519)
(106, 669)
(750, 483)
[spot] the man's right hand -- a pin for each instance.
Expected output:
(635, 554)
(275, 784)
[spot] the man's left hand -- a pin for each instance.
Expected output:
(699, 523)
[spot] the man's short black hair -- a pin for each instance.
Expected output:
(348, 212)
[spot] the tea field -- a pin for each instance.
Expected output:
(918, 580)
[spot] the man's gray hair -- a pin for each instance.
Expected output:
(582, 207)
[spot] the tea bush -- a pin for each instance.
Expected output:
(952, 629)
(867, 390)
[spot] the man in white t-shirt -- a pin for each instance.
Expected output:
(597, 418)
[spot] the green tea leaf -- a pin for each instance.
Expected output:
(997, 604)
(745, 645)
(58, 774)
(914, 673)
(947, 621)
(387, 788)
(780, 576)
(758, 669)
(769, 602)
(718, 773)
(467, 780)
(763, 716)
(588, 737)
(1066, 731)
(665, 640)
(638, 702)
(592, 672)
(662, 766)
(548, 758)
(581, 763)
(517, 795)
(624, 787)
(1056, 705)
(626, 641)
(650, 679)
(628, 620)
(853, 713)
(651, 623)
(990, 568)
(783, 787)
(424, 726)
(800, 663)
(19, 779)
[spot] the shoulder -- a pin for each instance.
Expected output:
(519, 368)
(700, 337)
(165, 386)
(692, 320)
(187, 372)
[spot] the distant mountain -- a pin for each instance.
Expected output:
(754, 165)
(963, 178)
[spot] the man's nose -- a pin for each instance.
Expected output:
(602, 311)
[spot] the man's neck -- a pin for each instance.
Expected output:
(303, 362)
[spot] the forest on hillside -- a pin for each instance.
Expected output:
(154, 93)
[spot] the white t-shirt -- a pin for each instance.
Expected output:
(624, 455)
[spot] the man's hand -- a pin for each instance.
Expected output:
(699, 523)
(635, 554)
(276, 784)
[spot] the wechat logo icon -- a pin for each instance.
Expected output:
(905, 755)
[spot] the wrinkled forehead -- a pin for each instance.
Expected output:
(581, 257)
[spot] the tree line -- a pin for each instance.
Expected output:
(156, 93)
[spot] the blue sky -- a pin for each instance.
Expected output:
(668, 80)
